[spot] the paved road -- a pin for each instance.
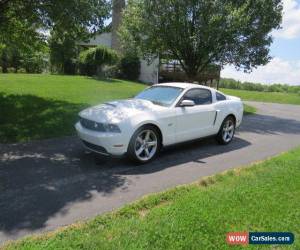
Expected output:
(51, 183)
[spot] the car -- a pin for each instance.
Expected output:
(161, 115)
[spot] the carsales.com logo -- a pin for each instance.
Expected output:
(238, 238)
(258, 238)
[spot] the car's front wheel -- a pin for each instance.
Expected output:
(227, 130)
(144, 144)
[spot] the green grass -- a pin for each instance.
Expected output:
(264, 197)
(45, 106)
(275, 97)
(249, 110)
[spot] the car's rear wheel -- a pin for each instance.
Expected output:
(144, 144)
(227, 130)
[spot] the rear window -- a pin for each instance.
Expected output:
(220, 97)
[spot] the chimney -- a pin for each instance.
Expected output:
(118, 6)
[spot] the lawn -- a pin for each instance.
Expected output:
(45, 106)
(274, 97)
(263, 197)
(249, 110)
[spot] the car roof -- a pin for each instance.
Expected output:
(183, 85)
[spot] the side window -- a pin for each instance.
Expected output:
(220, 97)
(199, 96)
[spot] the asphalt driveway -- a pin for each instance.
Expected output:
(51, 183)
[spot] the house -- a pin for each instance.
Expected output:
(148, 72)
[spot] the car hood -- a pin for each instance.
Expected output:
(116, 111)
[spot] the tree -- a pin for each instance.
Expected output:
(63, 52)
(23, 21)
(200, 32)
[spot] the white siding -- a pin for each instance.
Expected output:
(102, 39)
(149, 72)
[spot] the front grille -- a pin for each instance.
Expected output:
(91, 125)
(94, 147)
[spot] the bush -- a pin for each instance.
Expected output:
(92, 60)
(130, 67)
(1, 69)
(86, 63)
(110, 71)
(35, 63)
(11, 70)
(21, 70)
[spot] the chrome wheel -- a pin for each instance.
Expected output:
(145, 145)
(228, 130)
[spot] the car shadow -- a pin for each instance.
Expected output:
(195, 151)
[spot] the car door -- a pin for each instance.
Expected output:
(195, 121)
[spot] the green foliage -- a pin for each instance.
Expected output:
(25, 19)
(130, 67)
(11, 70)
(1, 70)
(21, 71)
(33, 59)
(92, 60)
(233, 84)
(200, 32)
(4, 60)
(63, 52)
(110, 71)
(68, 21)
(262, 198)
(35, 63)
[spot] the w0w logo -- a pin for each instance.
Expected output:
(237, 238)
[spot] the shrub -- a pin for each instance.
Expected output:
(1, 69)
(21, 70)
(130, 67)
(11, 70)
(86, 63)
(92, 60)
(35, 63)
(110, 71)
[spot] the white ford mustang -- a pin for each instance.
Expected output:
(161, 115)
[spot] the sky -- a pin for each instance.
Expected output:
(285, 51)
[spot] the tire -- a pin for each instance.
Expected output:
(144, 144)
(227, 130)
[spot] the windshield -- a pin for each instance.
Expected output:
(161, 95)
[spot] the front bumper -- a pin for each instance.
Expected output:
(115, 144)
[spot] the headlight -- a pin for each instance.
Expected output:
(111, 128)
(100, 127)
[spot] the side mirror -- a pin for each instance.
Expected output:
(187, 103)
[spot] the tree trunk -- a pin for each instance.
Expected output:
(191, 74)
(118, 6)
